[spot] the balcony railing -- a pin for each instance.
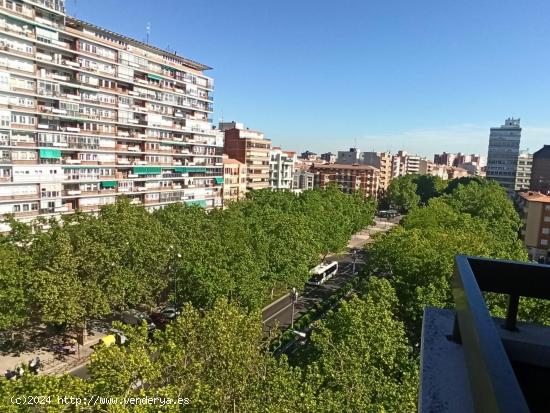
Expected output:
(504, 363)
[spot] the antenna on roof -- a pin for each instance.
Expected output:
(74, 8)
(148, 31)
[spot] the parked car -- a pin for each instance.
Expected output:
(135, 317)
(170, 312)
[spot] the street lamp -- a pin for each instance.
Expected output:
(293, 299)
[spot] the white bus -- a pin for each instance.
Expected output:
(323, 272)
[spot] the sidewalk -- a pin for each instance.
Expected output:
(52, 364)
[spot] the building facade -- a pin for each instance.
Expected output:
(303, 180)
(535, 211)
(405, 164)
(281, 169)
(523, 171)
(251, 148)
(329, 157)
(87, 115)
(540, 171)
(503, 153)
(349, 178)
(353, 156)
(383, 162)
(234, 180)
(444, 158)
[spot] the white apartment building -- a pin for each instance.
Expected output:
(281, 168)
(87, 115)
(523, 171)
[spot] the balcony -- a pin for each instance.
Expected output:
(473, 362)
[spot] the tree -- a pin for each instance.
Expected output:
(401, 194)
(428, 187)
(14, 294)
(360, 357)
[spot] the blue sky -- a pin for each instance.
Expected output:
(424, 75)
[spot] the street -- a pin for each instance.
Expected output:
(281, 310)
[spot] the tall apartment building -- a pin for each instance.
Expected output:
(349, 178)
(523, 171)
(87, 115)
(281, 168)
(502, 157)
(535, 211)
(540, 171)
(251, 148)
(234, 180)
(382, 161)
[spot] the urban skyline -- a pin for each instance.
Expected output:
(432, 105)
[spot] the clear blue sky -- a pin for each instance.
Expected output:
(423, 75)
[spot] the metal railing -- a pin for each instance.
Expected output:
(493, 382)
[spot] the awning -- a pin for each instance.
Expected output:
(108, 184)
(218, 180)
(187, 169)
(198, 202)
(154, 77)
(50, 154)
(147, 170)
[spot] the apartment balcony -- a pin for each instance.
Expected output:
(473, 362)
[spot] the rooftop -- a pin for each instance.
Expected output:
(79, 24)
(343, 166)
(535, 197)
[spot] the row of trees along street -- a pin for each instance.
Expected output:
(361, 357)
(89, 266)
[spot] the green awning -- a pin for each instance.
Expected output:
(155, 77)
(168, 68)
(147, 170)
(50, 153)
(187, 169)
(108, 184)
(198, 202)
(218, 180)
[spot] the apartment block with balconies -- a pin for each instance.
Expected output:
(87, 115)
(251, 148)
(348, 178)
(281, 169)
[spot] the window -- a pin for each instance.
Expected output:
(546, 219)
(547, 207)
(546, 231)
(543, 242)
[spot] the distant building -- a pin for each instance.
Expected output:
(328, 157)
(405, 164)
(523, 171)
(540, 171)
(281, 169)
(425, 167)
(535, 208)
(251, 148)
(234, 180)
(503, 153)
(310, 156)
(382, 161)
(303, 180)
(445, 158)
(349, 178)
(353, 156)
